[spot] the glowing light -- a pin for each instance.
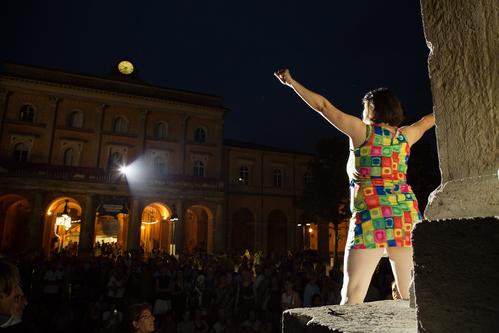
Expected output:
(142, 227)
(149, 222)
(63, 220)
(124, 169)
(308, 224)
(298, 225)
(49, 213)
(310, 230)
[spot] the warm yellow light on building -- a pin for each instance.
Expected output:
(310, 230)
(142, 227)
(49, 213)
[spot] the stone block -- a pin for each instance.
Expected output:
(377, 317)
(456, 275)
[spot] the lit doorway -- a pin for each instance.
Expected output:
(62, 226)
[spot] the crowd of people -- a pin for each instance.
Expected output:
(119, 292)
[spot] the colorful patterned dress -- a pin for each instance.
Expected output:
(384, 208)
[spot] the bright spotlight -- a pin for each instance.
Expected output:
(123, 169)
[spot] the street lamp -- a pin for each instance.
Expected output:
(62, 220)
(173, 219)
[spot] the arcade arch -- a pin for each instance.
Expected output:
(15, 212)
(199, 229)
(62, 226)
(243, 231)
(276, 232)
(156, 229)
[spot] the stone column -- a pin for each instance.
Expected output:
(99, 122)
(133, 235)
(183, 142)
(4, 97)
(35, 226)
(456, 253)
(179, 232)
(52, 124)
(219, 229)
(220, 153)
(290, 235)
(87, 227)
(142, 130)
(463, 39)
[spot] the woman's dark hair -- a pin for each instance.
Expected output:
(384, 107)
(133, 314)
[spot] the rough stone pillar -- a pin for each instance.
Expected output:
(87, 227)
(463, 37)
(133, 235)
(35, 226)
(456, 253)
(219, 229)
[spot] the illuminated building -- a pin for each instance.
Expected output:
(65, 137)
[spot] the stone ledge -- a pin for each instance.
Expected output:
(455, 275)
(464, 198)
(382, 316)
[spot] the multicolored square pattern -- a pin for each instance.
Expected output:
(384, 208)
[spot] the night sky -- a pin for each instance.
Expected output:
(340, 49)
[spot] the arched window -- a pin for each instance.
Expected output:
(200, 135)
(159, 166)
(27, 113)
(308, 178)
(199, 168)
(120, 125)
(161, 130)
(244, 175)
(69, 157)
(21, 152)
(277, 177)
(115, 160)
(75, 119)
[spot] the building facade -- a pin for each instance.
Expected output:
(88, 160)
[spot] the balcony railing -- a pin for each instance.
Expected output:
(98, 175)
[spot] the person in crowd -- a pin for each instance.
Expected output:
(245, 295)
(290, 298)
(12, 300)
(139, 319)
(252, 324)
(187, 324)
(163, 290)
(311, 289)
(384, 208)
(200, 324)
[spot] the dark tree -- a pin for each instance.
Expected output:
(424, 173)
(326, 191)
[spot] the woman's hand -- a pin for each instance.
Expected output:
(284, 76)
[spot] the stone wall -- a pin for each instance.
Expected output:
(456, 275)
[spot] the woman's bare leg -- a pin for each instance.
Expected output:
(401, 261)
(358, 267)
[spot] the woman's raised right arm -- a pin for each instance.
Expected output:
(352, 126)
(415, 131)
